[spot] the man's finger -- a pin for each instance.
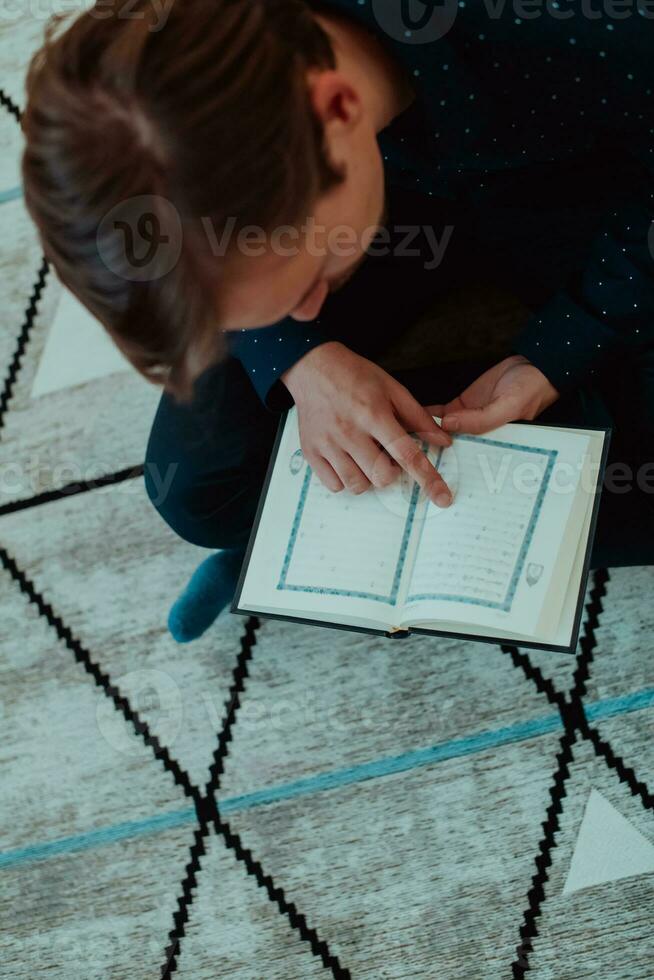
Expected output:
(350, 474)
(416, 418)
(408, 452)
(373, 460)
(326, 474)
(478, 420)
(442, 410)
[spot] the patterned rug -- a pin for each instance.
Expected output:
(278, 801)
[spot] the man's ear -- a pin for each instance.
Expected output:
(335, 101)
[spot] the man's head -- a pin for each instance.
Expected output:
(219, 173)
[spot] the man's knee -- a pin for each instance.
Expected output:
(160, 482)
(211, 516)
(205, 462)
(167, 497)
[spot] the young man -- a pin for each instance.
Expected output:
(305, 178)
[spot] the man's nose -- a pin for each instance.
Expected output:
(310, 306)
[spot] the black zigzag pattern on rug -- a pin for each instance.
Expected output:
(103, 681)
(571, 710)
(603, 748)
(319, 947)
(8, 103)
(24, 334)
(205, 805)
(73, 489)
(32, 304)
(576, 724)
(572, 716)
(23, 338)
(206, 808)
(625, 773)
(588, 640)
(536, 894)
(181, 915)
(248, 640)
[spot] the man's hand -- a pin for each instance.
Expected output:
(355, 421)
(513, 389)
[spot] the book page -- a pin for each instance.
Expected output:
(489, 558)
(345, 544)
(560, 608)
(553, 630)
(339, 553)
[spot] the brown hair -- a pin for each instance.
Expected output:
(207, 118)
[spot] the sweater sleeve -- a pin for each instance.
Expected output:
(267, 352)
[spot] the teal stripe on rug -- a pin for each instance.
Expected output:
(11, 194)
(392, 764)
(618, 706)
(452, 749)
(96, 838)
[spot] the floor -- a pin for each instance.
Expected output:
(278, 801)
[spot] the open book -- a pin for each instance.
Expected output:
(506, 562)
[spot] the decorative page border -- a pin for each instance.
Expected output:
(505, 606)
(391, 599)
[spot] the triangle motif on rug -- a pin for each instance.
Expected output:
(608, 847)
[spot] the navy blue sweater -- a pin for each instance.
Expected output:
(515, 88)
